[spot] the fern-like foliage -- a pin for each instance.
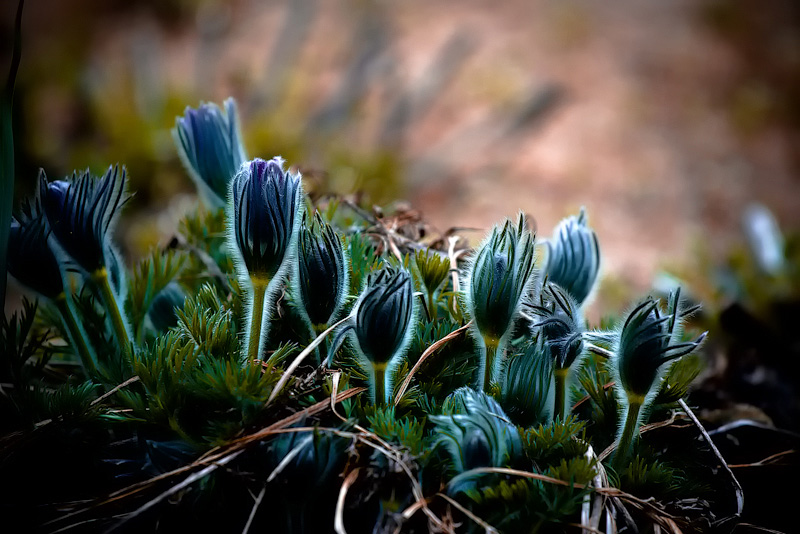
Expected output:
(207, 324)
(405, 431)
(150, 277)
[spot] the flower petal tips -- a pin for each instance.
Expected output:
(210, 147)
(647, 342)
(573, 257)
(499, 278)
(321, 276)
(81, 212)
(266, 204)
(30, 259)
(384, 315)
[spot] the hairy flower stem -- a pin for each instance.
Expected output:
(629, 433)
(431, 306)
(378, 386)
(255, 336)
(560, 409)
(491, 347)
(75, 335)
(100, 277)
(315, 330)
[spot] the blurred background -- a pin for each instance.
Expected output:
(664, 119)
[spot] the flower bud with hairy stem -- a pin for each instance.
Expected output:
(476, 433)
(162, 312)
(381, 327)
(573, 257)
(32, 262)
(527, 387)
(81, 213)
(645, 348)
(210, 147)
(561, 326)
(264, 213)
(498, 280)
(321, 276)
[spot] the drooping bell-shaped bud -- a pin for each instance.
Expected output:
(477, 434)
(561, 327)
(82, 211)
(210, 147)
(321, 280)
(527, 387)
(30, 259)
(573, 257)
(645, 347)
(162, 312)
(34, 264)
(498, 280)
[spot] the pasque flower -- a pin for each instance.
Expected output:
(321, 279)
(381, 326)
(499, 277)
(32, 262)
(209, 145)
(265, 212)
(644, 349)
(81, 213)
(30, 259)
(573, 257)
(476, 433)
(561, 327)
(527, 385)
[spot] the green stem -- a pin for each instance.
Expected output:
(110, 300)
(491, 347)
(322, 348)
(76, 335)
(560, 410)
(629, 434)
(254, 338)
(431, 307)
(379, 383)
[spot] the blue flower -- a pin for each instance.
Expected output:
(499, 278)
(561, 325)
(476, 433)
(321, 278)
(573, 257)
(382, 324)
(266, 203)
(163, 310)
(30, 259)
(648, 342)
(82, 211)
(209, 145)
(384, 314)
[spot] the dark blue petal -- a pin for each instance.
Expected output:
(30, 259)
(209, 144)
(573, 258)
(266, 204)
(384, 314)
(321, 270)
(81, 212)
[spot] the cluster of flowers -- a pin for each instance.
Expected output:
(66, 230)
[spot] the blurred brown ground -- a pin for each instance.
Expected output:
(667, 123)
